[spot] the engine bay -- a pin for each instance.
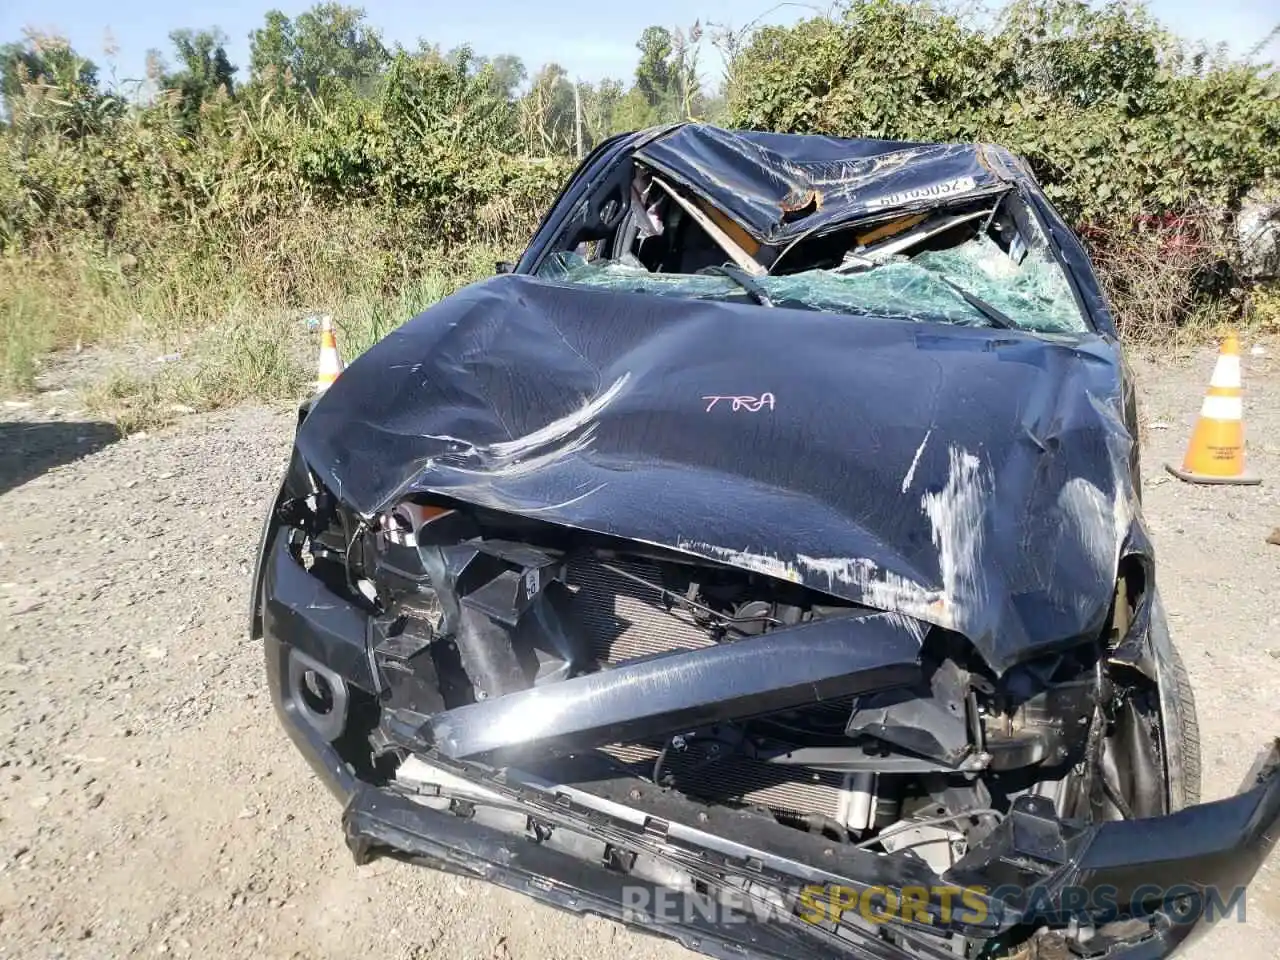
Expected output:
(473, 609)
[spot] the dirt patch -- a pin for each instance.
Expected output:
(150, 804)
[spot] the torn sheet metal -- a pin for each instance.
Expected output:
(974, 478)
(783, 186)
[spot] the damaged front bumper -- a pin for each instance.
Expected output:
(577, 834)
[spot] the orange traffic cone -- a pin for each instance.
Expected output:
(330, 362)
(1216, 451)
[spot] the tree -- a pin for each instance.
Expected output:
(206, 72)
(633, 112)
(667, 74)
(653, 72)
(272, 53)
(547, 112)
(509, 74)
(333, 43)
(685, 86)
(599, 105)
(328, 44)
(48, 61)
(54, 87)
(442, 99)
(505, 73)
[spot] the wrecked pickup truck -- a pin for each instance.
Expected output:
(760, 561)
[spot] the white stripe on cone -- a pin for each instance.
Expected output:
(1222, 408)
(330, 364)
(1226, 372)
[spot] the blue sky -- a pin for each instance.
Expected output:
(590, 45)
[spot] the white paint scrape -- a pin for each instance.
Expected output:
(1100, 523)
(875, 586)
(764, 563)
(911, 625)
(956, 515)
(1087, 514)
(561, 428)
(915, 461)
(536, 450)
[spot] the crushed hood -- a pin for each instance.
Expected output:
(976, 479)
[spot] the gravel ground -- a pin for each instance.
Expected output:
(149, 804)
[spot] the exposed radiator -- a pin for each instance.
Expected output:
(625, 619)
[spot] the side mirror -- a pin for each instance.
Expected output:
(504, 266)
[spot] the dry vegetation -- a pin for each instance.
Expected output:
(210, 217)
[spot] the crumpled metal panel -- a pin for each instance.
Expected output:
(976, 479)
(766, 181)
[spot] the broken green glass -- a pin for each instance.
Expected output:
(1034, 294)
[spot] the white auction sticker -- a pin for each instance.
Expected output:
(934, 191)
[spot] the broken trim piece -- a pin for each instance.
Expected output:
(780, 670)
(922, 232)
(726, 242)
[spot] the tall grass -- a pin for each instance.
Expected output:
(235, 315)
(27, 329)
(214, 234)
(46, 303)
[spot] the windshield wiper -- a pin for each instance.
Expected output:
(995, 316)
(742, 279)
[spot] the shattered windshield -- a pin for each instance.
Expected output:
(1033, 294)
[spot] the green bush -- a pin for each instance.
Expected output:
(266, 203)
(433, 156)
(1116, 118)
(366, 182)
